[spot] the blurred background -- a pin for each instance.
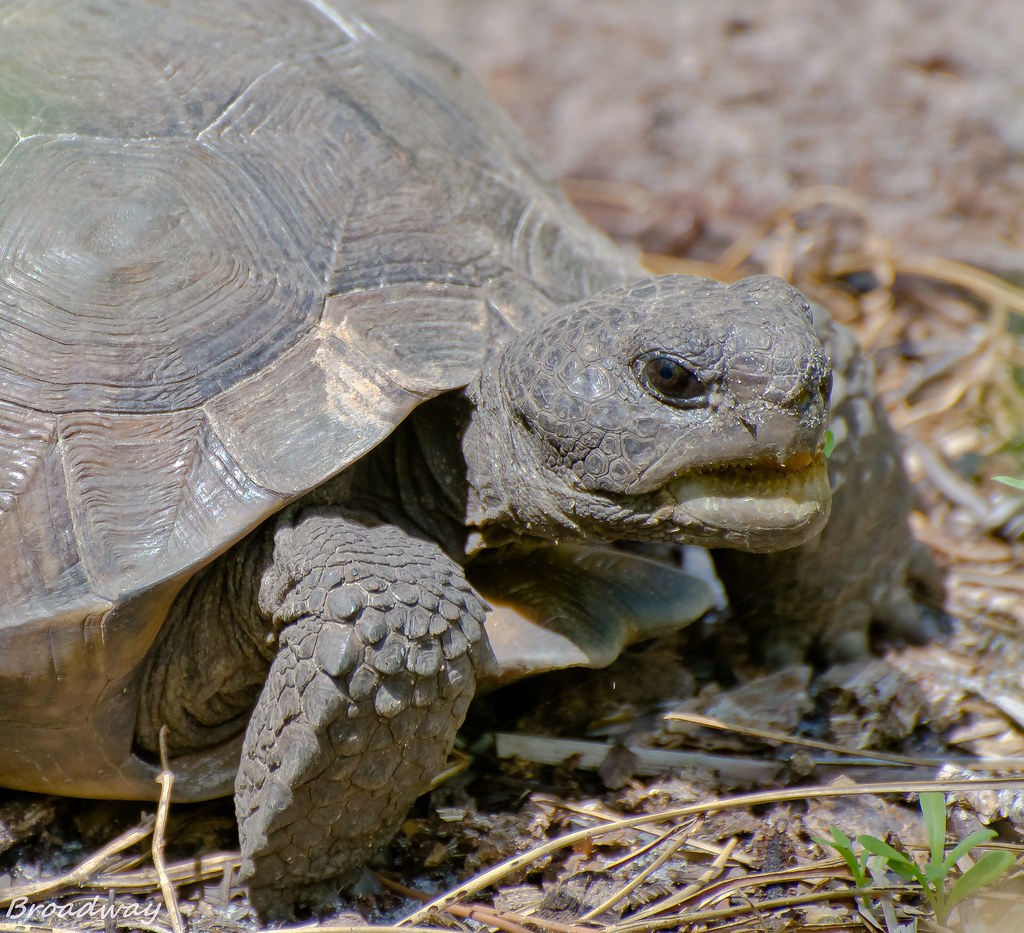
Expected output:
(703, 118)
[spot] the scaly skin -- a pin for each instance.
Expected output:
(365, 642)
(380, 639)
(565, 416)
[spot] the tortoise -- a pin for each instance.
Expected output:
(305, 361)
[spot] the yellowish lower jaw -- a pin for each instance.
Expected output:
(756, 508)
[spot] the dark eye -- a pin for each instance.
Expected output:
(670, 379)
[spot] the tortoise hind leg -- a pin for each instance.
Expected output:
(380, 635)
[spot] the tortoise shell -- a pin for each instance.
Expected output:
(239, 242)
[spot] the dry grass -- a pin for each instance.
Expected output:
(724, 891)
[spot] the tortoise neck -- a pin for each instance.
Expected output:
(415, 479)
(460, 473)
(510, 495)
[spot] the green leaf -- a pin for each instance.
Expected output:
(897, 861)
(886, 851)
(910, 872)
(838, 841)
(966, 844)
(830, 445)
(935, 873)
(1005, 480)
(933, 807)
(983, 872)
(843, 845)
(841, 838)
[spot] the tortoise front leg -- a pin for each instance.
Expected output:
(379, 637)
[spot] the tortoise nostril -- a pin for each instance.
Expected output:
(806, 395)
(803, 398)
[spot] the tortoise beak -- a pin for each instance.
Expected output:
(763, 506)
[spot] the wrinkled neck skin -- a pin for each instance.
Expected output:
(415, 479)
(511, 497)
(458, 473)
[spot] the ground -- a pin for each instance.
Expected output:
(873, 153)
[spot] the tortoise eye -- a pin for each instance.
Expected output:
(670, 379)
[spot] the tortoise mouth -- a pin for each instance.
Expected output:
(757, 506)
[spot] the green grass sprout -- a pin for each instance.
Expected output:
(936, 877)
(858, 866)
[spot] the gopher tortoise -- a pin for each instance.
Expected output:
(303, 362)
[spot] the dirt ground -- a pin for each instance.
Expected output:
(857, 149)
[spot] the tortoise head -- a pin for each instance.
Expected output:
(670, 409)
